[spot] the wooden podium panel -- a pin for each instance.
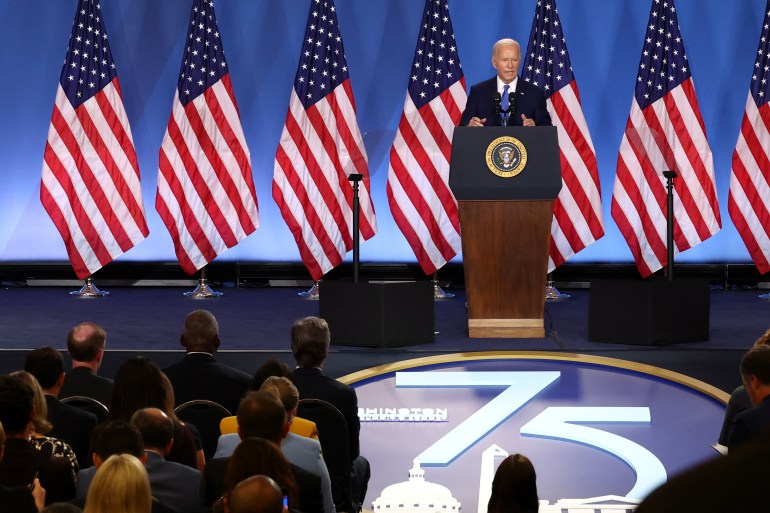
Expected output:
(505, 257)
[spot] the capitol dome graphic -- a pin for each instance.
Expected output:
(416, 495)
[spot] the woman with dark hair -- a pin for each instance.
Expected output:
(514, 488)
(257, 456)
(139, 383)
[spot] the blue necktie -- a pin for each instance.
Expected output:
(504, 101)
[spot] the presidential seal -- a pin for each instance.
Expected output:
(506, 157)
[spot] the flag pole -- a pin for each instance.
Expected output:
(89, 290)
(202, 291)
(355, 178)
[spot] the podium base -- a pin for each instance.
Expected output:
(506, 328)
(378, 314)
(649, 312)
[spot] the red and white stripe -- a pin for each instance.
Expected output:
(670, 133)
(206, 194)
(418, 177)
(749, 200)
(319, 148)
(90, 180)
(577, 211)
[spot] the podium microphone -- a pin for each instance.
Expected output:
(511, 105)
(496, 100)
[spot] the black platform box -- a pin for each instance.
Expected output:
(649, 312)
(378, 314)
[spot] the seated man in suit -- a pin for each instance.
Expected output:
(755, 373)
(525, 103)
(85, 345)
(70, 424)
(310, 340)
(262, 415)
(199, 375)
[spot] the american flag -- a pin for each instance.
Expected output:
(577, 211)
(320, 146)
(90, 181)
(206, 194)
(750, 179)
(418, 192)
(665, 126)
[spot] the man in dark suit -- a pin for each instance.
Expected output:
(70, 424)
(85, 345)
(755, 373)
(199, 375)
(527, 102)
(262, 415)
(310, 339)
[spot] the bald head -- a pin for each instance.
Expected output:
(156, 428)
(200, 332)
(256, 494)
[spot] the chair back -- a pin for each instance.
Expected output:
(206, 416)
(333, 436)
(88, 404)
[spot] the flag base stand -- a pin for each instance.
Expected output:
(202, 291)
(439, 294)
(553, 294)
(89, 290)
(764, 296)
(312, 293)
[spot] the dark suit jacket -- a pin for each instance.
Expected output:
(71, 425)
(83, 381)
(748, 424)
(308, 485)
(22, 461)
(312, 383)
(17, 500)
(200, 376)
(530, 101)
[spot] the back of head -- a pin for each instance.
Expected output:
(46, 364)
(261, 414)
(764, 340)
(514, 488)
(85, 341)
(118, 437)
(756, 362)
(271, 367)
(256, 494)
(284, 390)
(138, 384)
(310, 339)
(156, 428)
(255, 456)
(120, 485)
(16, 403)
(40, 421)
(200, 332)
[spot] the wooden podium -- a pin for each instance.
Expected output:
(506, 225)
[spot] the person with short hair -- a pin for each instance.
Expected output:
(120, 485)
(70, 424)
(310, 341)
(255, 494)
(755, 374)
(85, 345)
(514, 487)
(199, 375)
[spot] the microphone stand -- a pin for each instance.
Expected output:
(355, 178)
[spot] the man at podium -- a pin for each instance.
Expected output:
(505, 100)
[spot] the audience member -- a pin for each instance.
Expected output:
(120, 486)
(22, 462)
(271, 367)
(199, 375)
(85, 345)
(299, 450)
(255, 494)
(139, 383)
(514, 487)
(755, 373)
(262, 415)
(70, 424)
(41, 426)
(310, 339)
(739, 399)
(21, 499)
(257, 456)
(172, 483)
